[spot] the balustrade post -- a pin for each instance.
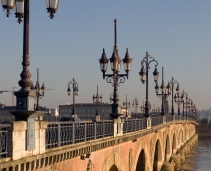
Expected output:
(173, 117)
(149, 122)
(164, 119)
(73, 133)
(95, 131)
(85, 131)
(58, 134)
(18, 140)
(104, 129)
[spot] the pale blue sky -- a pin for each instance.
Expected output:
(175, 33)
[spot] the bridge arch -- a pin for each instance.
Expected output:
(142, 154)
(157, 161)
(167, 152)
(113, 163)
(174, 144)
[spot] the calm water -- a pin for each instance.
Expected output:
(200, 158)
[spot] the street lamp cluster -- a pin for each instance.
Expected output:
(19, 7)
(97, 100)
(115, 79)
(75, 92)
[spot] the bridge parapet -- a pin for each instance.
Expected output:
(71, 140)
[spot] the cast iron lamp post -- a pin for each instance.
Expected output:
(143, 108)
(172, 82)
(185, 95)
(39, 91)
(115, 79)
(163, 92)
(97, 100)
(25, 97)
(135, 104)
(178, 98)
(126, 105)
(75, 92)
(144, 76)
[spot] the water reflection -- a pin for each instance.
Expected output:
(199, 159)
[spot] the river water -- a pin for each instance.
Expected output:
(199, 158)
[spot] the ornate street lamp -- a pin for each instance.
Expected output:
(39, 91)
(165, 91)
(7, 5)
(115, 79)
(135, 104)
(25, 96)
(178, 98)
(184, 103)
(52, 7)
(97, 100)
(21, 7)
(172, 82)
(75, 92)
(126, 105)
(144, 76)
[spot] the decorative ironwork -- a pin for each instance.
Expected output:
(132, 125)
(156, 121)
(64, 133)
(3, 140)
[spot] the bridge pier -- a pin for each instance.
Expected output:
(176, 159)
(167, 166)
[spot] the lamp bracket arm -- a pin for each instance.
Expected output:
(153, 59)
(121, 78)
(110, 79)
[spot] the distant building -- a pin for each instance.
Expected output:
(88, 110)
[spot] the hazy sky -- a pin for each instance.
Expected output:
(175, 33)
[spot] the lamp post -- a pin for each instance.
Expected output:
(135, 104)
(39, 91)
(172, 82)
(163, 92)
(183, 102)
(144, 76)
(143, 108)
(115, 79)
(75, 92)
(25, 97)
(126, 105)
(97, 100)
(178, 98)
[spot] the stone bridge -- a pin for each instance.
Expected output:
(161, 145)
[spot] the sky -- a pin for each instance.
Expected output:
(175, 33)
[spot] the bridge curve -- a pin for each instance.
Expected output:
(152, 144)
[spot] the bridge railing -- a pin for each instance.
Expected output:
(169, 118)
(131, 125)
(156, 120)
(65, 133)
(3, 140)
